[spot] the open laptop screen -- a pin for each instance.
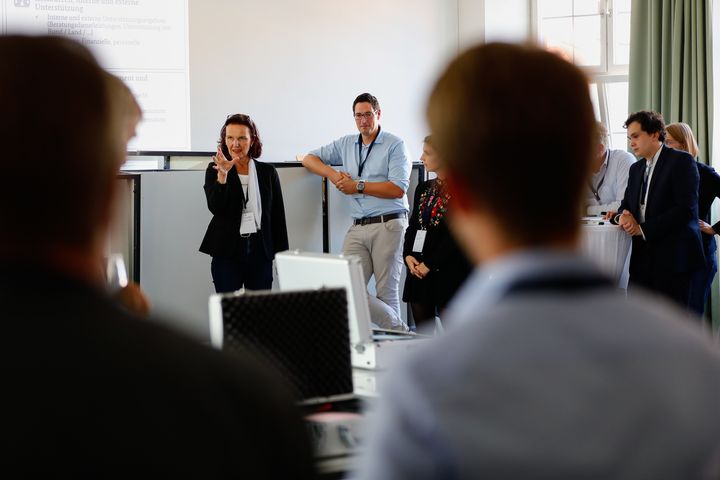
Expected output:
(299, 270)
(301, 334)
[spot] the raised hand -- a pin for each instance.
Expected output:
(222, 165)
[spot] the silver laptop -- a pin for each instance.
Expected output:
(305, 270)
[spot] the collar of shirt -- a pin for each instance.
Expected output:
(651, 163)
(487, 285)
(603, 168)
(378, 139)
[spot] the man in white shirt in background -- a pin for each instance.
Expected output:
(606, 187)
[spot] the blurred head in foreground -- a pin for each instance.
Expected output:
(64, 128)
(516, 183)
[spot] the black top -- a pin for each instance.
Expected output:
(226, 202)
(709, 190)
(91, 391)
(441, 254)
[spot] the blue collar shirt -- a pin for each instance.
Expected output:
(389, 160)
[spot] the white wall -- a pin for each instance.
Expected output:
(296, 67)
(471, 22)
(507, 20)
(481, 21)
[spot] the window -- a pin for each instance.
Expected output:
(595, 35)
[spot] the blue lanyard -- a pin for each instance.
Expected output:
(361, 164)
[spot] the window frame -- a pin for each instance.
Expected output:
(607, 72)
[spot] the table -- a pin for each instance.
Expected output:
(608, 246)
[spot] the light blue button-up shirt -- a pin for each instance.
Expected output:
(389, 160)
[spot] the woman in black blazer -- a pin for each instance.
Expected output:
(248, 225)
(436, 267)
(680, 137)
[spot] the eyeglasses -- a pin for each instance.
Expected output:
(366, 115)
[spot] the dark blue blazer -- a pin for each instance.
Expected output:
(672, 236)
(709, 191)
(226, 202)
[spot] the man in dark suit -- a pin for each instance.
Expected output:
(660, 211)
(90, 390)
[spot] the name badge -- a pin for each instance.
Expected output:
(247, 224)
(419, 241)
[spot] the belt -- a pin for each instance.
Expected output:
(378, 219)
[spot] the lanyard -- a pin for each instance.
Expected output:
(245, 192)
(596, 190)
(361, 164)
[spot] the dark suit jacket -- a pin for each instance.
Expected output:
(441, 254)
(672, 236)
(708, 192)
(91, 391)
(222, 238)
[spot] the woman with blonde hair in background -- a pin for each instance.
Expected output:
(680, 137)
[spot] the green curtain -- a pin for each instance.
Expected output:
(671, 63)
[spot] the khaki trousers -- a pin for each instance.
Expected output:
(379, 246)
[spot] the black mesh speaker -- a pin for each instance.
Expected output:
(302, 334)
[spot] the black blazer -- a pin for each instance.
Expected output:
(90, 391)
(222, 238)
(672, 236)
(441, 254)
(708, 192)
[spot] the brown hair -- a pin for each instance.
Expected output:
(125, 105)
(367, 98)
(683, 134)
(242, 119)
(650, 122)
(494, 115)
(57, 135)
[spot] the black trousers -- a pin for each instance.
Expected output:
(252, 270)
(672, 285)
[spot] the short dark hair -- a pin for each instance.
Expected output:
(242, 119)
(65, 122)
(367, 98)
(650, 122)
(494, 115)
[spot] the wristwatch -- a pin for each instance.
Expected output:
(361, 186)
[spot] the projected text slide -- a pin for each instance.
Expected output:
(145, 42)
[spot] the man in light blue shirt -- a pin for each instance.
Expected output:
(373, 170)
(545, 371)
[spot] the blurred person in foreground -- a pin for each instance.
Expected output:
(89, 390)
(545, 371)
(680, 137)
(129, 115)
